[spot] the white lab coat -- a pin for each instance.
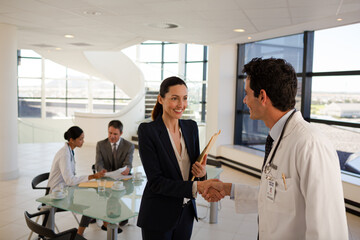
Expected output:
(312, 206)
(63, 169)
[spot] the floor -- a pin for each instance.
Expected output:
(18, 196)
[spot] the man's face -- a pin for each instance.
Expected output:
(252, 102)
(113, 134)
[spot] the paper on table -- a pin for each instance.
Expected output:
(117, 174)
(206, 150)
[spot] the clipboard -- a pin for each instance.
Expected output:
(206, 150)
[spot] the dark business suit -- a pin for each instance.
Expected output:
(162, 200)
(104, 156)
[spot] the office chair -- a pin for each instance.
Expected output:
(46, 233)
(40, 179)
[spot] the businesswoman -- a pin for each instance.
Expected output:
(168, 150)
(63, 166)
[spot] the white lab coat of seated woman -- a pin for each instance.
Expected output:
(63, 169)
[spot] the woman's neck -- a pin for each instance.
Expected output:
(171, 124)
(71, 146)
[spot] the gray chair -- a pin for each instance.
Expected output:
(46, 233)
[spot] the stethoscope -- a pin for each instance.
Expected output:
(269, 165)
(72, 158)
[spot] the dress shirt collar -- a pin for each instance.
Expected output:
(117, 143)
(275, 131)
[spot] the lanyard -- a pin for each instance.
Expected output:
(269, 165)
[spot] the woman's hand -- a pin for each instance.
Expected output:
(198, 170)
(97, 175)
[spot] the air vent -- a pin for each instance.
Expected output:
(164, 25)
(43, 45)
(80, 44)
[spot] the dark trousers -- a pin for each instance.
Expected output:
(84, 222)
(182, 230)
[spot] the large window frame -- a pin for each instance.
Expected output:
(306, 75)
(115, 101)
(184, 64)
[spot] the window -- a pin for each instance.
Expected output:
(329, 85)
(254, 132)
(62, 90)
(159, 60)
(47, 89)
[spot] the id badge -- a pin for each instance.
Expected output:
(270, 191)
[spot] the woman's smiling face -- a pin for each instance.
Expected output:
(175, 101)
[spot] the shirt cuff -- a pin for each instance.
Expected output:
(194, 189)
(232, 191)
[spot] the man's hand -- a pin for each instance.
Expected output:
(199, 170)
(210, 193)
(126, 171)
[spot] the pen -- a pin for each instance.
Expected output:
(283, 177)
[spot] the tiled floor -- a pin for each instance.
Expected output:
(17, 196)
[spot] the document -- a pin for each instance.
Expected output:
(117, 174)
(206, 150)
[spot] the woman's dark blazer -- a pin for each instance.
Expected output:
(165, 190)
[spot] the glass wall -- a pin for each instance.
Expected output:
(159, 60)
(49, 90)
(329, 86)
(254, 132)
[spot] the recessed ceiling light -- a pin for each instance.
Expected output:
(239, 30)
(93, 13)
(58, 49)
(164, 25)
(69, 36)
(339, 19)
(249, 38)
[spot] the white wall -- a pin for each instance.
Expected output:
(220, 105)
(8, 103)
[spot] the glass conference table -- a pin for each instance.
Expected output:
(112, 206)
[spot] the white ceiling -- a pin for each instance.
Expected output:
(42, 24)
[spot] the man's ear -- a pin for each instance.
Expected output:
(263, 96)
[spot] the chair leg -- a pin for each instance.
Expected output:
(77, 220)
(57, 229)
(37, 219)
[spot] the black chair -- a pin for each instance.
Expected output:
(46, 233)
(38, 180)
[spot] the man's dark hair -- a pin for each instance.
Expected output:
(277, 77)
(116, 124)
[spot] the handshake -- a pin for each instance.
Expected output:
(213, 190)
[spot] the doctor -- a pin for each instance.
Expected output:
(300, 194)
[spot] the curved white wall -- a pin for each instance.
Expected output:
(117, 68)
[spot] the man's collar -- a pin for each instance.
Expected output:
(275, 131)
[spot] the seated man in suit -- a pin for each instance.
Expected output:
(113, 153)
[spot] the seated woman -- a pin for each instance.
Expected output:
(63, 167)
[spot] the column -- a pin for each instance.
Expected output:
(221, 94)
(8, 103)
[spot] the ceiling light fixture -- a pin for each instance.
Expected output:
(339, 19)
(239, 30)
(58, 49)
(92, 13)
(164, 25)
(249, 38)
(69, 36)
